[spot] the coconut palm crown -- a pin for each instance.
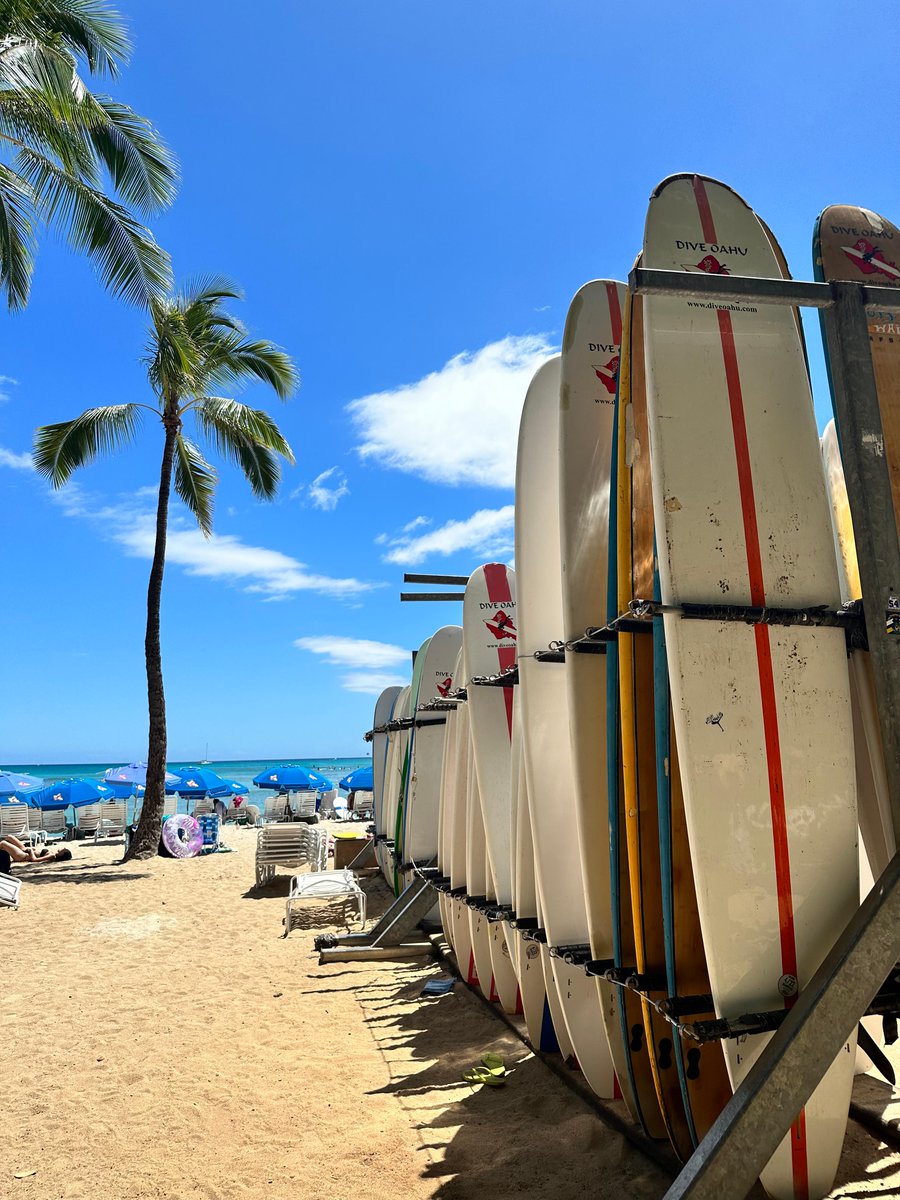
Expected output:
(195, 349)
(62, 147)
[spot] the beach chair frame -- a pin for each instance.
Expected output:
(325, 885)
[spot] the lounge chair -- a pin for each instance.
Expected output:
(236, 814)
(14, 819)
(9, 891)
(112, 820)
(204, 804)
(87, 819)
(289, 846)
(325, 885)
(277, 808)
(54, 824)
(170, 806)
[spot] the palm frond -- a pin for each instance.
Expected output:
(248, 437)
(130, 262)
(195, 481)
(31, 119)
(90, 28)
(139, 163)
(235, 359)
(41, 67)
(60, 449)
(17, 242)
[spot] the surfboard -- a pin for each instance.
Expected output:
(392, 782)
(691, 1079)
(590, 373)
(761, 713)
(477, 874)
(858, 245)
(384, 707)
(460, 933)
(447, 799)
(407, 738)
(489, 629)
(420, 825)
(545, 723)
(543, 1033)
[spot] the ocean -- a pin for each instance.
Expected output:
(241, 771)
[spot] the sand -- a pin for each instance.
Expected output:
(164, 1040)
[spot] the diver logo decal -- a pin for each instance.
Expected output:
(870, 259)
(609, 374)
(444, 688)
(501, 626)
(709, 264)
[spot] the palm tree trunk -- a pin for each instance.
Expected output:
(145, 842)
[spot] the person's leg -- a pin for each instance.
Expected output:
(13, 848)
(5, 861)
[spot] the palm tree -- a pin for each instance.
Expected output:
(195, 348)
(61, 143)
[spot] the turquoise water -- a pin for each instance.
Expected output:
(242, 771)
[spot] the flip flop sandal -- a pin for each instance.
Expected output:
(495, 1064)
(483, 1075)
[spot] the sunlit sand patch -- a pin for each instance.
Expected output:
(132, 927)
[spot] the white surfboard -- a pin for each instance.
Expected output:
(762, 713)
(447, 800)
(460, 933)
(392, 782)
(545, 723)
(489, 629)
(384, 707)
(420, 825)
(477, 875)
(590, 368)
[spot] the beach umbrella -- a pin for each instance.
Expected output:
(319, 781)
(194, 781)
(135, 772)
(123, 791)
(360, 780)
(13, 782)
(286, 778)
(70, 791)
(11, 799)
(230, 787)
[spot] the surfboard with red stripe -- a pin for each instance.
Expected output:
(545, 722)
(490, 633)
(761, 713)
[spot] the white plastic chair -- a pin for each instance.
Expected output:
(204, 804)
(88, 818)
(111, 823)
(325, 885)
(170, 806)
(14, 820)
(53, 824)
(290, 846)
(277, 808)
(9, 891)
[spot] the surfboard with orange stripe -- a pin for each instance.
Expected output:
(761, 713)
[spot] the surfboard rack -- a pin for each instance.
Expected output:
(533, 935)
(498, 912)
(685, 1006)
(523, 924)
(575, 956)
(849, 618)
(551, 655)
(815, 1029)
(505, 679)
(598, 967)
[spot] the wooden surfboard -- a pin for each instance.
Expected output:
(762, 713)
(489, 629)
(855, 244)
(545, 723)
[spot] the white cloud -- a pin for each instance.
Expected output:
(369, 660)
(487, 533)
(326, 498)
(6, 382)
(459, 424)
(416, 523)
(222, 557)
(18, 462)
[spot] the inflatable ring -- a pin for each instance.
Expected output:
(181, 836)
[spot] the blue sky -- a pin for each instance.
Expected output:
(410, 194)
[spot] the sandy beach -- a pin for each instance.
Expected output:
(164, 1040)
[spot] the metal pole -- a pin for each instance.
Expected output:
(750, 1127)
(871, 507)
(409, 596)
(461, 580)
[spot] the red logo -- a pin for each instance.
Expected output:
(609, 375)
(711, 266)
(444, 688)
(501, 626)
(871, 260)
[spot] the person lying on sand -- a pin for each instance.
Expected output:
(12, 850)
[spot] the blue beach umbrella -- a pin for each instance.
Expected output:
(319, 781)
(230, 787)
(360, 780)
(9, 798)
(17, 782)
(286, 778)
(123, 791)
(194, 781)
(135, 772)
(74, 792)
